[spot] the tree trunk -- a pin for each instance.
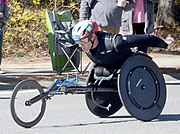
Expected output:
(168, 12)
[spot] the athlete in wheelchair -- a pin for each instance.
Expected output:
(138, 80)
(119, 77)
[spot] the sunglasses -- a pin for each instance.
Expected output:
(84, 41)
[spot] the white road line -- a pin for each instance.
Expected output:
(175, 81)
(5, 92)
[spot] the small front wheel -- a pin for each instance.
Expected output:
(27, 115)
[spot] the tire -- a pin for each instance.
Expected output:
(27, 116)
(98, 102)
(103, 100)
(142, 88)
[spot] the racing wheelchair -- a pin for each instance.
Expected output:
(138, 85)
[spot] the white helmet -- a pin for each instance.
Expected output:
(84, 29)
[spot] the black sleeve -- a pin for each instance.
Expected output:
(144, 40)
(119, 42)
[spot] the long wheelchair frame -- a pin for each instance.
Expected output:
(104, 95)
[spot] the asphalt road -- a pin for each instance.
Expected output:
(68, 114)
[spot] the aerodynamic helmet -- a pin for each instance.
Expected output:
(82, 31)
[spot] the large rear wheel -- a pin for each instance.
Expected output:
(142, 88)
(103, 104)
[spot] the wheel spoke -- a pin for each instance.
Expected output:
(27, 116)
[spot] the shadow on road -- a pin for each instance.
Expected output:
(86, 124)
(8, 86)
(165, 117)
(173, 72)
(169, 117)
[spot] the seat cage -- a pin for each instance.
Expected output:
(66, 55)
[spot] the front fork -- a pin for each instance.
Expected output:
(42, 96)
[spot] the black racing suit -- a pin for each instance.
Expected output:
(113, 50)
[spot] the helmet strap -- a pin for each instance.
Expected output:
(92, 42)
